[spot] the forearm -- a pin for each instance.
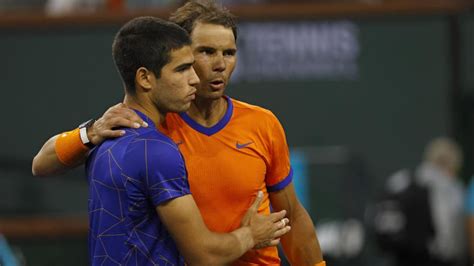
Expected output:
(197, 244)
(301, 245)
(47, 163)
(219, 249)
(200, 246)
(244, 242)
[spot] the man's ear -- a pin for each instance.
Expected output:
(144, 78)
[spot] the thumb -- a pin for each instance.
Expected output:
(257, 202)
(252, 209)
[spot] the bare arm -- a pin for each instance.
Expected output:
(301, 245)
(200, 246)
(46, 162)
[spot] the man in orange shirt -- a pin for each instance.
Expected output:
(232, 149)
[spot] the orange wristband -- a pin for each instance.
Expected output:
(322, 263)
(69, 147)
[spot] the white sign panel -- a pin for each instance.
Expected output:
(297, 50)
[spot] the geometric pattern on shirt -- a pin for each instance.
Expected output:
(117, 185)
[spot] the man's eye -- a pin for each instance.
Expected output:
(229, 53)
(206, 51)
(182, 69)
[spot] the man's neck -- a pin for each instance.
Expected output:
(146, 107)
(208, 112)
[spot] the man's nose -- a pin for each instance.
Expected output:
(219, 63)
(194, 79)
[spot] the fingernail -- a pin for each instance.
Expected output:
(122, 132)
(260, 194)
(136, 125)
(145, 124)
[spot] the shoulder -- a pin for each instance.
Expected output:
(257, 112)
(154, 141)
(152, 144)
(153, 152)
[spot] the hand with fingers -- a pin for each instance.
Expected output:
(111, 122)
(266, 229)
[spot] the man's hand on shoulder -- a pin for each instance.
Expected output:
(111, 122)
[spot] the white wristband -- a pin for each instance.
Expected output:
(83, 133)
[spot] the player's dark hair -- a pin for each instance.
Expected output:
(205, 11)
(145, 42)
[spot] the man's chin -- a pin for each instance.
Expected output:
(211, 95)
(185, 108)
(181, 109)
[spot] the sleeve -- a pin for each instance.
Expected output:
(161, 173)
(279, 172)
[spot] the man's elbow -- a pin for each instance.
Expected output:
(37, 169)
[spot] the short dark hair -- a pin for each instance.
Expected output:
(145, 42)
(206, 11)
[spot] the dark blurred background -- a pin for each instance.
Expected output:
(361, 87)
